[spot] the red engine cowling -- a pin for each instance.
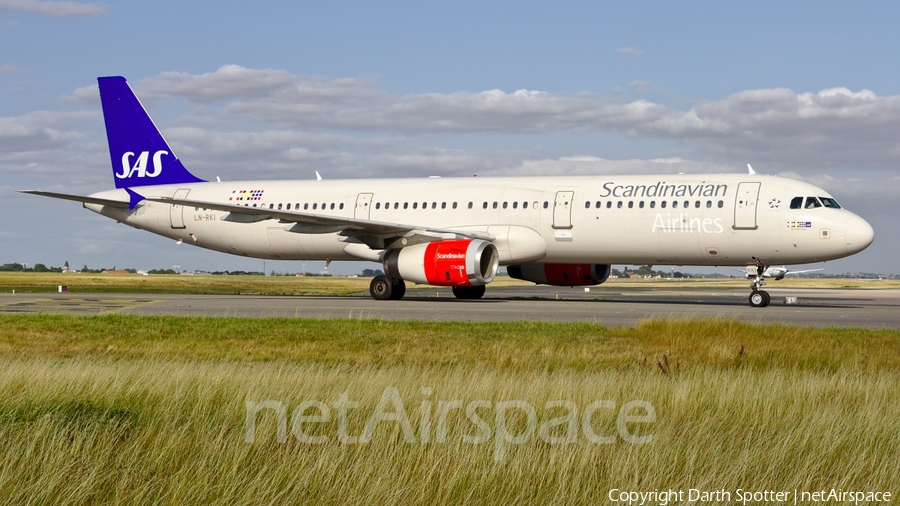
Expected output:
(455, 262)
(560, 274)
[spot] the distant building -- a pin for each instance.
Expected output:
(66, 266)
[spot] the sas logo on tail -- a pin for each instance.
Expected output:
(138, 168)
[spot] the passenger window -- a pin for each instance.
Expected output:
(504, 205)
(597, 204)
(721, 204)
(424, 205)
(397, 205)
(279, 206)
(470, 205)
(454, 205)
(641, 204)
(697, 204)
(289, 207)
(609, 204)
(546, 204)
(484, 206)
(495, 205)
(652, 204)
(687, 204)
(812, 203)
(406, 205)
(332, 205)
(378, 205)
(525, 204)
(305, 206)
(708, 204)
(630, 204)
(796, 202)
(515, 205)
(342, 205)
(674, 204)
(434, 205)
(271, 206)
(830, 202)
(587, 205)
(662, 204)
(444, 205)
(415, 205)
(296, 206)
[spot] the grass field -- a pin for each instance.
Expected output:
(122, 410)
(290, 285)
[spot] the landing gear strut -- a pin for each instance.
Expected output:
(385, 288)
(758, 297)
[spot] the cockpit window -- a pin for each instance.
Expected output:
(812, 203)
(797, 203)
(830, 202)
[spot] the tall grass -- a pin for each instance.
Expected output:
(127, 410)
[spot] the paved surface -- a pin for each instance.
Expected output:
(610, 306)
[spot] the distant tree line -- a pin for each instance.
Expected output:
(35, 268)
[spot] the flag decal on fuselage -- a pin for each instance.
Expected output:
(246, 195)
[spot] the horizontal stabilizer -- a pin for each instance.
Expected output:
(78, 198)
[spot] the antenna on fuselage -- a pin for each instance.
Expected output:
(751, 169)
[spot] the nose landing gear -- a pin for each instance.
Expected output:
(758, 297)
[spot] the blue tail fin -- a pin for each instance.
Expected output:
(139, 154)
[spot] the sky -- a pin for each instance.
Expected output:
(279, 90)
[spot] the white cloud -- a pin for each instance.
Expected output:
(8, 69)
(630, 50)
(63, 9)
(41, 130)
(281, 118)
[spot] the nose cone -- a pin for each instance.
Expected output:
(858, 234)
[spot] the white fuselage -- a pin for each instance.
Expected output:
(654, 219)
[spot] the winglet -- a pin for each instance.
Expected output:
(134, 198)
(750, 169)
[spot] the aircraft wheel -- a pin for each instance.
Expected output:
(768, 298)
(381, 287)
(469, 292)
(759, 298)
(398, 289)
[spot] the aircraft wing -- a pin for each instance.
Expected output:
(375, 234)
(801, 272)
(78, 198)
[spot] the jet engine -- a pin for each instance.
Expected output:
(454, 262)
(560, 274)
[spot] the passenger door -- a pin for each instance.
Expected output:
(745, 206)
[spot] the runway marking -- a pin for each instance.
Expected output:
(74, 305)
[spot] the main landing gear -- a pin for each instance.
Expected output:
(385, 288)
(759, 298)
(468, 292)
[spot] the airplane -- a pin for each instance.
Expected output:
(457, 232)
